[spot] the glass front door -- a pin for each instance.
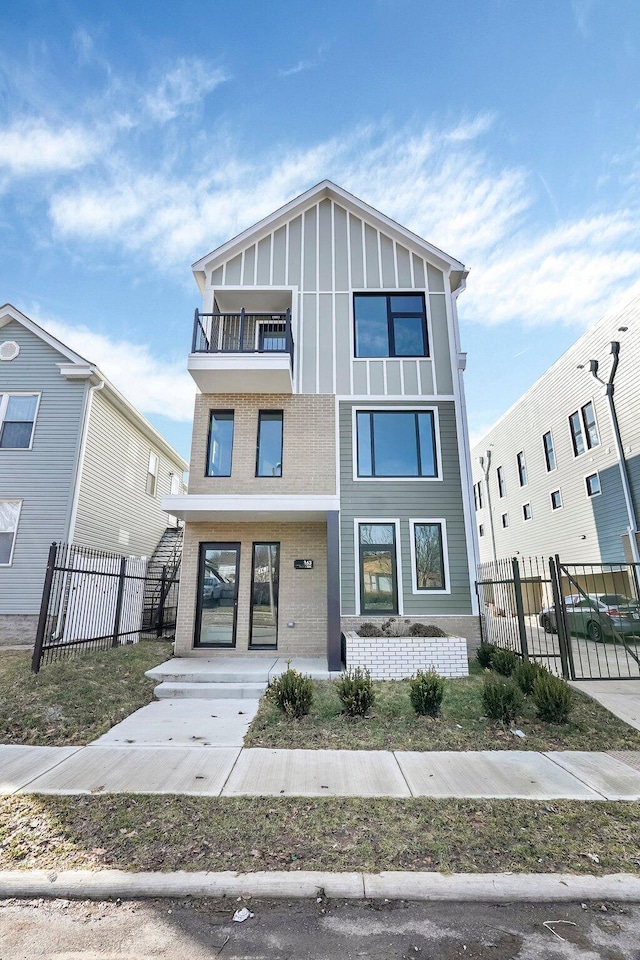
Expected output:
(264, 595)
(217, 595)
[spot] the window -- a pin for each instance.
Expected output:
(590, 426)
(390, 325)
(593, 485)
(265, 583)
(589, 438)
(556, 500)
(428, 549)
(378, 575)
(481, 530)
(505, 520)
(502, 487)
(526, 511)
(477, 495)
(577, 438)
(549, 452)
(220, 443)
(522, 469)
(269, 455)
(396, 444)
(176, 484)
(9, 516)
(152, 475)
(17, 418)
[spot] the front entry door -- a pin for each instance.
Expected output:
(217, 595)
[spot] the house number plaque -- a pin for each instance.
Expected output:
(303, 564)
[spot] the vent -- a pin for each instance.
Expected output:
(9, 350)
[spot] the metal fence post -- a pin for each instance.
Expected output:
(121, 579)
(564, 638)
(517, 589)
(163, 596)
(44, 608)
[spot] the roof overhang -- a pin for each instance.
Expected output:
(204, 507)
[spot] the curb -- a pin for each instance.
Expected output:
(303, 884)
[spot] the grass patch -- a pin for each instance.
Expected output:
(74, 701)
(249, 834)
(393, 725)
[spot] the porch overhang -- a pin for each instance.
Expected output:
(241, 372)
(204, 507)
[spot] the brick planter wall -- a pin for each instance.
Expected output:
(393, 658)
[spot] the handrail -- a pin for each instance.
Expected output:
(243, 332)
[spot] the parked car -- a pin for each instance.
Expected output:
(597, 616)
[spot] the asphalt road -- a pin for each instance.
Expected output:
(323, 930)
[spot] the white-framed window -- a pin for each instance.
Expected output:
(9, 518)
(152, 475)
(526, 511)
(584, 429)
(429, 556)
(502, 486)
(481, 530)
(505, 520)
(18, 412)
(396, 444)
(549, 451)
(522, 469)
(378, 566)
(592, 483)
(176, 484)
(477, 495)
(556, 500)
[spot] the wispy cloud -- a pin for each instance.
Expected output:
(31, 147)
(297, 68)
(185, 84)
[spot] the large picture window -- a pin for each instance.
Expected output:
(9, 516)
(429, 560)
(17, 419)
(220, 443)
(269, 455)
(396, 443)
(378, 569)
(390, 325)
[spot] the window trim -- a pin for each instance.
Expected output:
(521, 464)
(356, 543)
(526, 519)
(19, 501)
(505, 516)
(544, 452)
(426, 326)
(3, 409)
(424, 591)
(207, 452)
(412, 408)
(551, 493)
(502, 483)
(595, 473)
(266, 475)
(584, 430)
(478, 500)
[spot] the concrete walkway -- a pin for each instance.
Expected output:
(620, 697)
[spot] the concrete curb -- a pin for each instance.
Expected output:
(303, 884)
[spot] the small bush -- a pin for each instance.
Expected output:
(425, 630)
(552, 698)
(504, 662)
(395, 628)
(356, 692)
(526, 673)
(426, 691)
(369, 630)
(484, 654)
(292, 693)
(501, 699)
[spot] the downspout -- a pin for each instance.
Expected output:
(80, 463)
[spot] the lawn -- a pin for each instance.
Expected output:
(74, 701)
(392, 724)
(249, 834)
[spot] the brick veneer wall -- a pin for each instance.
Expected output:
(460, 626)
(394, 658)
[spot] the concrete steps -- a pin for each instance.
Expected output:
(203, 690)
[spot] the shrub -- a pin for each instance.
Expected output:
(552, 698)
(526, 673)
(425, 630)
(356, 692)
(395, 628)
(504, 662)
(426, 691)
(501, 699)
(369, 630)
(484, 654)
(292, 693)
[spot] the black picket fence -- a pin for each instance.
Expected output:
(94, 600)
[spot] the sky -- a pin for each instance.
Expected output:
(135, 137)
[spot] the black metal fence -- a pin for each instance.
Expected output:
(94, 600)
(580, 620)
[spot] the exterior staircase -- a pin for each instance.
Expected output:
(166, 557)
(228, 678)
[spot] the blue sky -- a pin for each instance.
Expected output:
(137, 136)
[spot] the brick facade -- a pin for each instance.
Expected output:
(395, 658)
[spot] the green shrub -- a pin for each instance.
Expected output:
(484, 654)
(501, 699)
(356, 692)
(552, 698)
(426, 691)
(292, 693)
(504, 662)
(425, 630)
(526, 674)
(369, 630)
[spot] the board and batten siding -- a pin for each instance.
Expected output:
(114, 511)
(327, 252)
(42, 477)
(406, 500)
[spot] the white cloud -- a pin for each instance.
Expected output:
(29, 147)
(298, 68)
(187, 83)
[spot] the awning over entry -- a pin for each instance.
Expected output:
(203, 507)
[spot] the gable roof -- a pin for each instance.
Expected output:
(327, 190)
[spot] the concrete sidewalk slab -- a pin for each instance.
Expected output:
(20, 764)
(173, 723)
(620, 697)
(316, 773)
(613, 779)
(630, 757)
(499, 774)
(193, 771)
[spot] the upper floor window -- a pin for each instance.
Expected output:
(17, 418)
(526, 511)
(583, 440)
(220, 443)
(269, 453)
(590, 425)
(390, 325)
(152, 475)
(505, 520)
(9, 516)
(396, 443)
(556, 499)
(593, 485)
(522, 469)
(502, 487)
(477, 495)
(549, 452)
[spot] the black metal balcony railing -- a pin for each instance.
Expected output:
(242, 333)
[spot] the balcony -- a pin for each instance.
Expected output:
(242, 352)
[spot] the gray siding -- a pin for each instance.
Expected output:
(405, 500)
(43, 476)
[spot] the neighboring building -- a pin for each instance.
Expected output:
(553, 478)
(77, 463)
(330, 471)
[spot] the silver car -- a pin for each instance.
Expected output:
(598, 616)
